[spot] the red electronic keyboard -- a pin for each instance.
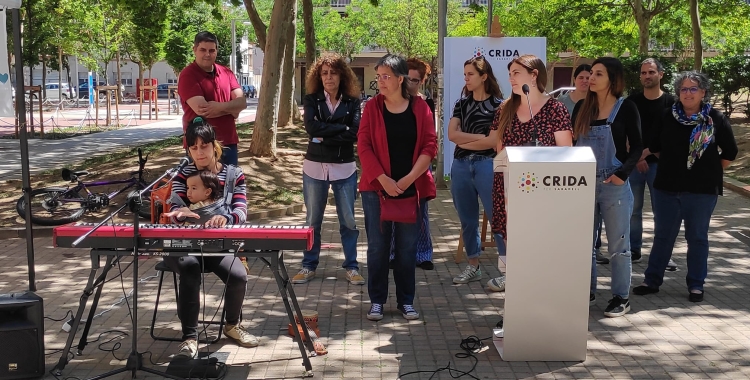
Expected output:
(187, 238)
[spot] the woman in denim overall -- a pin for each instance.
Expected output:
(614, 198)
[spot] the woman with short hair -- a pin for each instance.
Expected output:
(396, 144)
(695, 143)
(581, 77)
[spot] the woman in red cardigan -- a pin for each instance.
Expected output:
(396, 143)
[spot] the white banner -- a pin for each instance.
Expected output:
(6, 96)
(498, 52)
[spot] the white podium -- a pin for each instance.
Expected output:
(549, 195)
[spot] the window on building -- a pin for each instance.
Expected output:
(171, 79)
(466, 3)
(341, 3)
(127, 78)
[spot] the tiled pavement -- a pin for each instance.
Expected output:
(663, 337)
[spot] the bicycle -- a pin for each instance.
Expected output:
(54, 206)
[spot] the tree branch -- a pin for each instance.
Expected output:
(258, 25)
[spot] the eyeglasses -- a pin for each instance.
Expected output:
(383, 77)
(692, 90)
(413, 80)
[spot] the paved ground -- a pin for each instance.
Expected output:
(54, 154)
(663, 337)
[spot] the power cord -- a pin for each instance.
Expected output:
(70, 312)
(471, 345)
(115, 347)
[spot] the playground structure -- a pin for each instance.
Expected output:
(172, 107)
(152, 93)
(52, 118)
(34, 92)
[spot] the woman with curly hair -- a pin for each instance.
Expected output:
(332, 114)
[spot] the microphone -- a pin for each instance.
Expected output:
(184, 161)
(526, 90)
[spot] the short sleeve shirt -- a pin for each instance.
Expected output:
(476, 118)
(552, 117)
(214, 86)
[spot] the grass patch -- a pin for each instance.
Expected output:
(741, 178)
(132, 152)
(284, 196)
(245, 129)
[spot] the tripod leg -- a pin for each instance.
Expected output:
(92, 311)
(276, 263)
(293, 297)
(76, 320)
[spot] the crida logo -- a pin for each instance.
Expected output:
(498, 54)
(563, 182)
(528, 182)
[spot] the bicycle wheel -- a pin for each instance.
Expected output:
(145, 211)
(53, 206)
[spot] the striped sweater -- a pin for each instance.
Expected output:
(238, 214)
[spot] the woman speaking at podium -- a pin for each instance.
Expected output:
(529, 117)
(205, 151)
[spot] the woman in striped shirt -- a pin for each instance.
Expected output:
(205, 152)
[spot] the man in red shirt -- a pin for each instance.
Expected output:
(212, 92)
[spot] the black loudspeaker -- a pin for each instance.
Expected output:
(21, 336)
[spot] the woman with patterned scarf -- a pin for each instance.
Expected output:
(695, 144)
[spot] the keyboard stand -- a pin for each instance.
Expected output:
(274, 260)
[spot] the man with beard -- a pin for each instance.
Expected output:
(651, 104)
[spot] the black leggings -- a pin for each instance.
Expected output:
(229, 269)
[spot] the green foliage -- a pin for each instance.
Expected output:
(730, 75)
(632, 66)
(150, 29)
(188, 17)
(346, 35)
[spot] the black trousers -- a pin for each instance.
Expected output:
(228, 268)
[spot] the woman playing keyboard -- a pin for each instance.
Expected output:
(205, 151)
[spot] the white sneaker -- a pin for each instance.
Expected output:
(187, 349)
(471, 273)
(242, 337)
(496, 284)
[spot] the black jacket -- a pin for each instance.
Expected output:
(338, 131)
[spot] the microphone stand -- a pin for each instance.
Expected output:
(534, 134)
(135, 360)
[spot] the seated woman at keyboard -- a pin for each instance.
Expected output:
(205, 152)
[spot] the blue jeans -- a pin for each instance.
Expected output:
(229, 154)
(638, 183)
(670, 209)
(613, 205)
(315, 193)
(424, 242)
(378, 250)
(471, 177)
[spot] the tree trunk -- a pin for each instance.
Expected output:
(43, 94)
(311, 52)
(119, 79)
(59, 72)
(286, 98)
(643, 19)
(140, 80)
(263, 139)
(258, 26)
(697, 43)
